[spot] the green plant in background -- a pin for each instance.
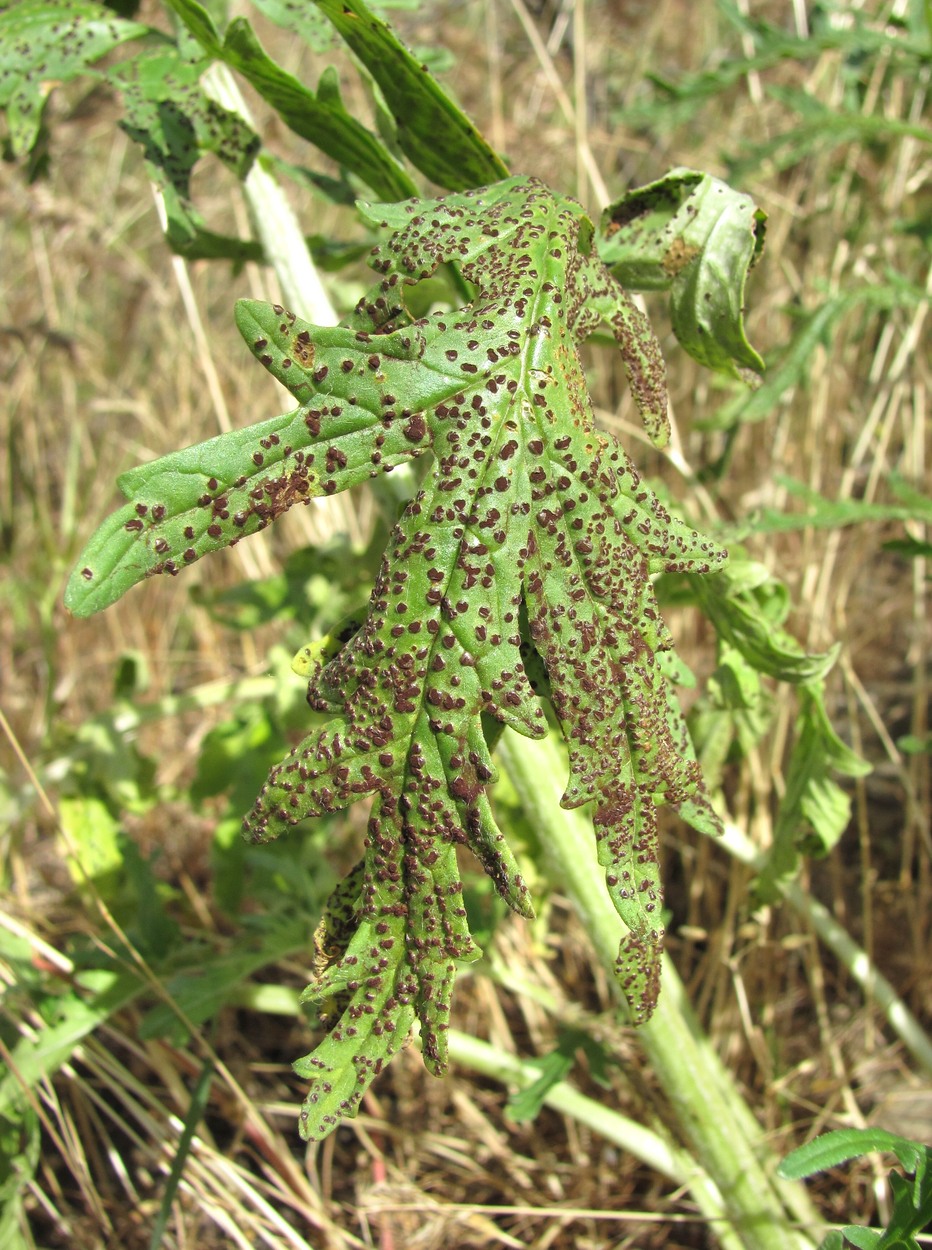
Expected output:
(912, 1193)
(520, 584)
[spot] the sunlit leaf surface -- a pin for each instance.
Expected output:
(528, 551)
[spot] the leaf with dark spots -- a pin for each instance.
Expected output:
(533, 540)
(432, 132)
(694, 236)
(44, 43)
(319, 117)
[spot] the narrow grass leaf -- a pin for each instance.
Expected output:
(198, 1105)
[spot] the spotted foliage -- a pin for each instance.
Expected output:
(520, 574)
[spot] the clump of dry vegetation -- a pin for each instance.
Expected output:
(132, 743)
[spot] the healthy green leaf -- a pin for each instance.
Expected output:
(822, 513)
(433, 133)
(680, 100)
(792, 367)
(832, 1241)
(747, 607)
(814, 811)
(42, 44)
(822, 126)
(692, 235)
(734, 713)
(38, 1055)
(533, 538)
(526, 1104)
(912, 1194)
(20, 1146)
(864, 1238)
(840, 1146)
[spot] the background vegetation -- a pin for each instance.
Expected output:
(134, 741)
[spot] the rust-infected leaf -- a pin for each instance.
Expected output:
(533, 539)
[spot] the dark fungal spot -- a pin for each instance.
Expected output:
(416, 429)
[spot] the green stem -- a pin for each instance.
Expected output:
(713, 1118)
(286, 250)
(651, 1147)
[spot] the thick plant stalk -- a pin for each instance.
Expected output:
(715, 1122)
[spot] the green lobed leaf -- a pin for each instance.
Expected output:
(822, 513)
(527, 1103)
(42, 44)
(733, 714)
(791, 368)
(822, 126)
(747, 607)
(677, 101)
(692, 235)
(533, 538)
(320, 118)
(433, 133)
(39, 1054)
(814, 811)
